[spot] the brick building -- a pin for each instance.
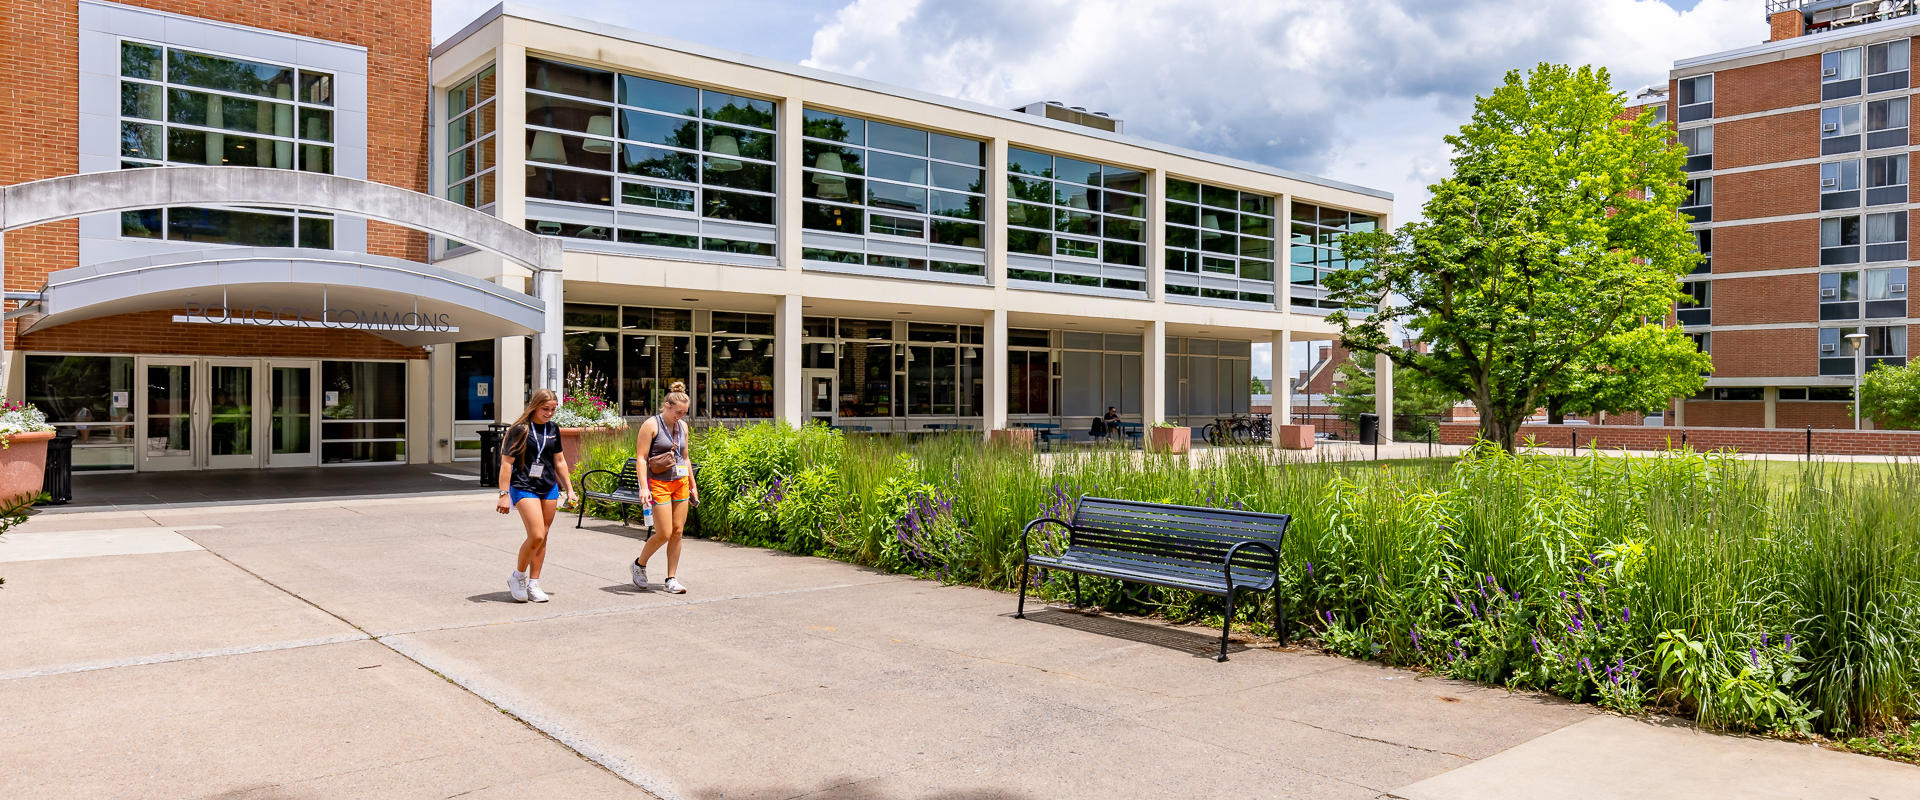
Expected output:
(1799, 150)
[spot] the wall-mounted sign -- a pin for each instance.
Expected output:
(480, 389)
(119, 399)
(338, 318)
(331, 399)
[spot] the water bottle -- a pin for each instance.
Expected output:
(646, 516)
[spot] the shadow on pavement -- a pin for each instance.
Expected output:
(1189, 642)
(848, 789)
(493, 597)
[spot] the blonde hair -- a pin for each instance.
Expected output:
(677, 394)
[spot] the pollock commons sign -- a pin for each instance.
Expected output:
(334, 318)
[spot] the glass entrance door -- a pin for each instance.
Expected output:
(822, 399)
(291, 408)
(165, 435)
(232, 435)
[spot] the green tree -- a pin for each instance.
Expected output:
(1541, 262)
(1639, 370)
(1890, 396)
(1257, 387)
(1415, 398)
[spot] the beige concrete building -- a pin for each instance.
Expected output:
(801, 245)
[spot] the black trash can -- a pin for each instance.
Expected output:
(1369, 428)
(490, 454)
(58, 479)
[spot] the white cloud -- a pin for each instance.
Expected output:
(1358, 91)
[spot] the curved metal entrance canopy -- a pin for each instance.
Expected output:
(290, 286)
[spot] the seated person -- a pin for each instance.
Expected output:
(1111, 421)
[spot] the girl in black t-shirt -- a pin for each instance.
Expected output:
(533, 476)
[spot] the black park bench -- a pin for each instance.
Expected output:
(621, 487)
(1212, 551)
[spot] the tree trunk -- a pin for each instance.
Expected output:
(1555, 416)
(1502, 429)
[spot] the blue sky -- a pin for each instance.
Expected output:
(1355, 90)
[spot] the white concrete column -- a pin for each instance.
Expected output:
(440, 394)
(1281, 384)
(420, 422)
(1772, 394)
(993, 392)
(997, 214)
(509, 374)
(1679, 413)
(549, 369)
(1283, 261)
(789, 399)
(1156, 243)
(788, 183)
(1383, 394)
(1153, 372)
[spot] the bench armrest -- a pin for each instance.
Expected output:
(1227, 565)
(1024, 552)
(582, 477)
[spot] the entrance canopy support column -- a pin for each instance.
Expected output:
(1153, 374)
(549, 343)
(994, 381)
(789, 397)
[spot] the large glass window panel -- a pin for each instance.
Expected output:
(965, 179)
(737, 110)
(837, 127)
(641, 126)
(140, 100)
(836, 158)
(841, 219)
(1840, 120)
(738, 207)
(897, 168)
(1028, 162)
(1073, 169)
(566, 113)
(569, 186)
(571, 151)
(224, 226)
(1887, 171)
(896, 138)
(659, 95)
(655, 162)
(896, 197)
(739, 174)
(229, 74)
(89, 397)
(1887, 57)
(962, 206)
(954, 148)
(1840, 64)
(1839, 231)
(661, 197)
(570, 79)
(187, 146)
(832, 186)
(1886, 228)
(722, 140)
(140, 61)
(1886, 114)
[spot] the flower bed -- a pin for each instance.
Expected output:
(1684, 582)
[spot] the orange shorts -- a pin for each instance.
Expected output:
(673, 491)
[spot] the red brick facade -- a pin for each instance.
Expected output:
(1767, 353)
(1771, 298)
(1770, 245)
(39, 81)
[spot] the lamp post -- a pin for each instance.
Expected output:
(1857, 341)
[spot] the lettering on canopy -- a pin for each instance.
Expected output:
(337, 318)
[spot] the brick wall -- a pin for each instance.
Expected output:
(1770, 245)
(1761, 354)
(1761, 87)
(1786, 25)
(1726, 413)
(1766, 193)
(1806, 414)
(154, 332)
(1763, 140)
(39, 83)
(1746, 440)
(1772, 298)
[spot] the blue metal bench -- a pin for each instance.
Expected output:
(1046, 432)
(1207, 550)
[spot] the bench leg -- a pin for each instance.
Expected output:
(1076, 590)
(582, 520)
(1225, 623)
(1279, 616)
(1021, 613)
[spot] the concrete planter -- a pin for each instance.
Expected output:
(23, 464)
(1295, 437)
(1175, 441)
(1020, 438)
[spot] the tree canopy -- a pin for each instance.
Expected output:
(1545, 265)
(1890, 396)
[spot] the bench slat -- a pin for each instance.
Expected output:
(1178, 527)
(1241, 576)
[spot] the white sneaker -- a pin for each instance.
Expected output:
(533, 591)
(517, 586)
(639, 574)
(674, 587)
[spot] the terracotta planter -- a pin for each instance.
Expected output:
(1021, 438)
(1175, 441)
(23, 464)
(1296, 437)
(570, 445)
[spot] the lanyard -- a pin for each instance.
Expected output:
(540, 441)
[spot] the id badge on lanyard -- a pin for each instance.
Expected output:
(680, 463)
(537, 469)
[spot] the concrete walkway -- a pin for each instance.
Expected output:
(367, 648)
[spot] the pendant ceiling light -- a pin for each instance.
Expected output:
(600, 344)
(724, 353)
(723, 145)
(546, 148)
(599, 125)
(1210, 222)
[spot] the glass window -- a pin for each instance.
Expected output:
(1105, 226)
(1839, 176)
(1839, 231)
(1700, 192)
(901, 165)
(1696, 90)
(1840, 121)
(1887, 57)
(89, 397)
(1887, 114)
(719, 147)
(364, 420)
(1314, 249)
(1840, 65)
(1885, 228)
(1887, 171)
(1698, 141)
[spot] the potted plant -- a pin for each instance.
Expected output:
(23, 449)
(1166, 437)
(583, 409)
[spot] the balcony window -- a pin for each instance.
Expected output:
(1695, 99)
(1840, 185)
(1699, 144)
(1697, 307)
(1887, 66)
(1840, 129)
(1840, 73)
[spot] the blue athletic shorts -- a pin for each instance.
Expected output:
(516, 495)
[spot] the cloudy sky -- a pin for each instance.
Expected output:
(1356, 90)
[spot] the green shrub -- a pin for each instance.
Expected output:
(1682, 581)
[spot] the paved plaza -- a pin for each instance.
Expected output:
(368, 648)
